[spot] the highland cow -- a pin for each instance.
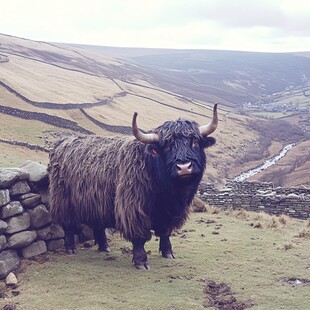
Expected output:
(136, 185)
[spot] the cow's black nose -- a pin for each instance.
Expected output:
(184, 169)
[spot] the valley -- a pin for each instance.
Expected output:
(49, 89)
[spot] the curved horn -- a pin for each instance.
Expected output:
(147, 138)
(208, 129)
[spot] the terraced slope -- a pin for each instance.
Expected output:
(47, 90)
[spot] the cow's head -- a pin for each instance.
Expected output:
(179, 145)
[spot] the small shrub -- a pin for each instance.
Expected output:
(238, 213)
(258, 216)
(262, 219)
(212, 210)
(284, 219)
(241, 214)
(274, 223)
(229, 211)
(304, 233)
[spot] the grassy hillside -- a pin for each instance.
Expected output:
(48, 90)
(211, 247)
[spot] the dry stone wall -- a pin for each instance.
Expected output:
(255, 196)
(26, 229)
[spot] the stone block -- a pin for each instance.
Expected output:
(3, 243)
(11, 279)
(9, 261)
(4, 197)
(39, 216)
(37, 172)
(3, 226)
(30, 200)
(21, 239)
(54, 231)
(18, 223)
(8, 176)
(19, 188)
(11, 209)
(34, 249)
(53, 245)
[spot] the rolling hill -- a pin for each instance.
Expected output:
(229, 77)
(49, 89)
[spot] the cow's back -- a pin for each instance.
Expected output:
(83, 177)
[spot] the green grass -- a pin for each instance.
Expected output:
(297, 98)
(13, 161)
(20, 132)
(248, 259)
(265, 114)
(13, 156)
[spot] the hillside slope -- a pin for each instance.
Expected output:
(233, 78)
(47, 90)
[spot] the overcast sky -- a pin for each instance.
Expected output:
(247, 25)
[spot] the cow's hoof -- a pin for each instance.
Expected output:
(143, 266)
(107, 249)
(71, 251)
(168, 255)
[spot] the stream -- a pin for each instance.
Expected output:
(268, 163)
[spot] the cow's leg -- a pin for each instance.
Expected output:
(165, 247)
(69, 239)
(101, 239)
(139, 255)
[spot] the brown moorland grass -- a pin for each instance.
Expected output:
(53, 84)
(250, 261)
(12, 156)
(31, 131)
(305, 230)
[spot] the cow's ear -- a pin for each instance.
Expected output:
(208, 141)
(152, 149)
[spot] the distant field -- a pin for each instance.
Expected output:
(271, 114)
(301, 98)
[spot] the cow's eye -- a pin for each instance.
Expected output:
(195, 142)
(154, 152)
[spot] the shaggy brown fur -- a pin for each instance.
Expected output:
(107, 177)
